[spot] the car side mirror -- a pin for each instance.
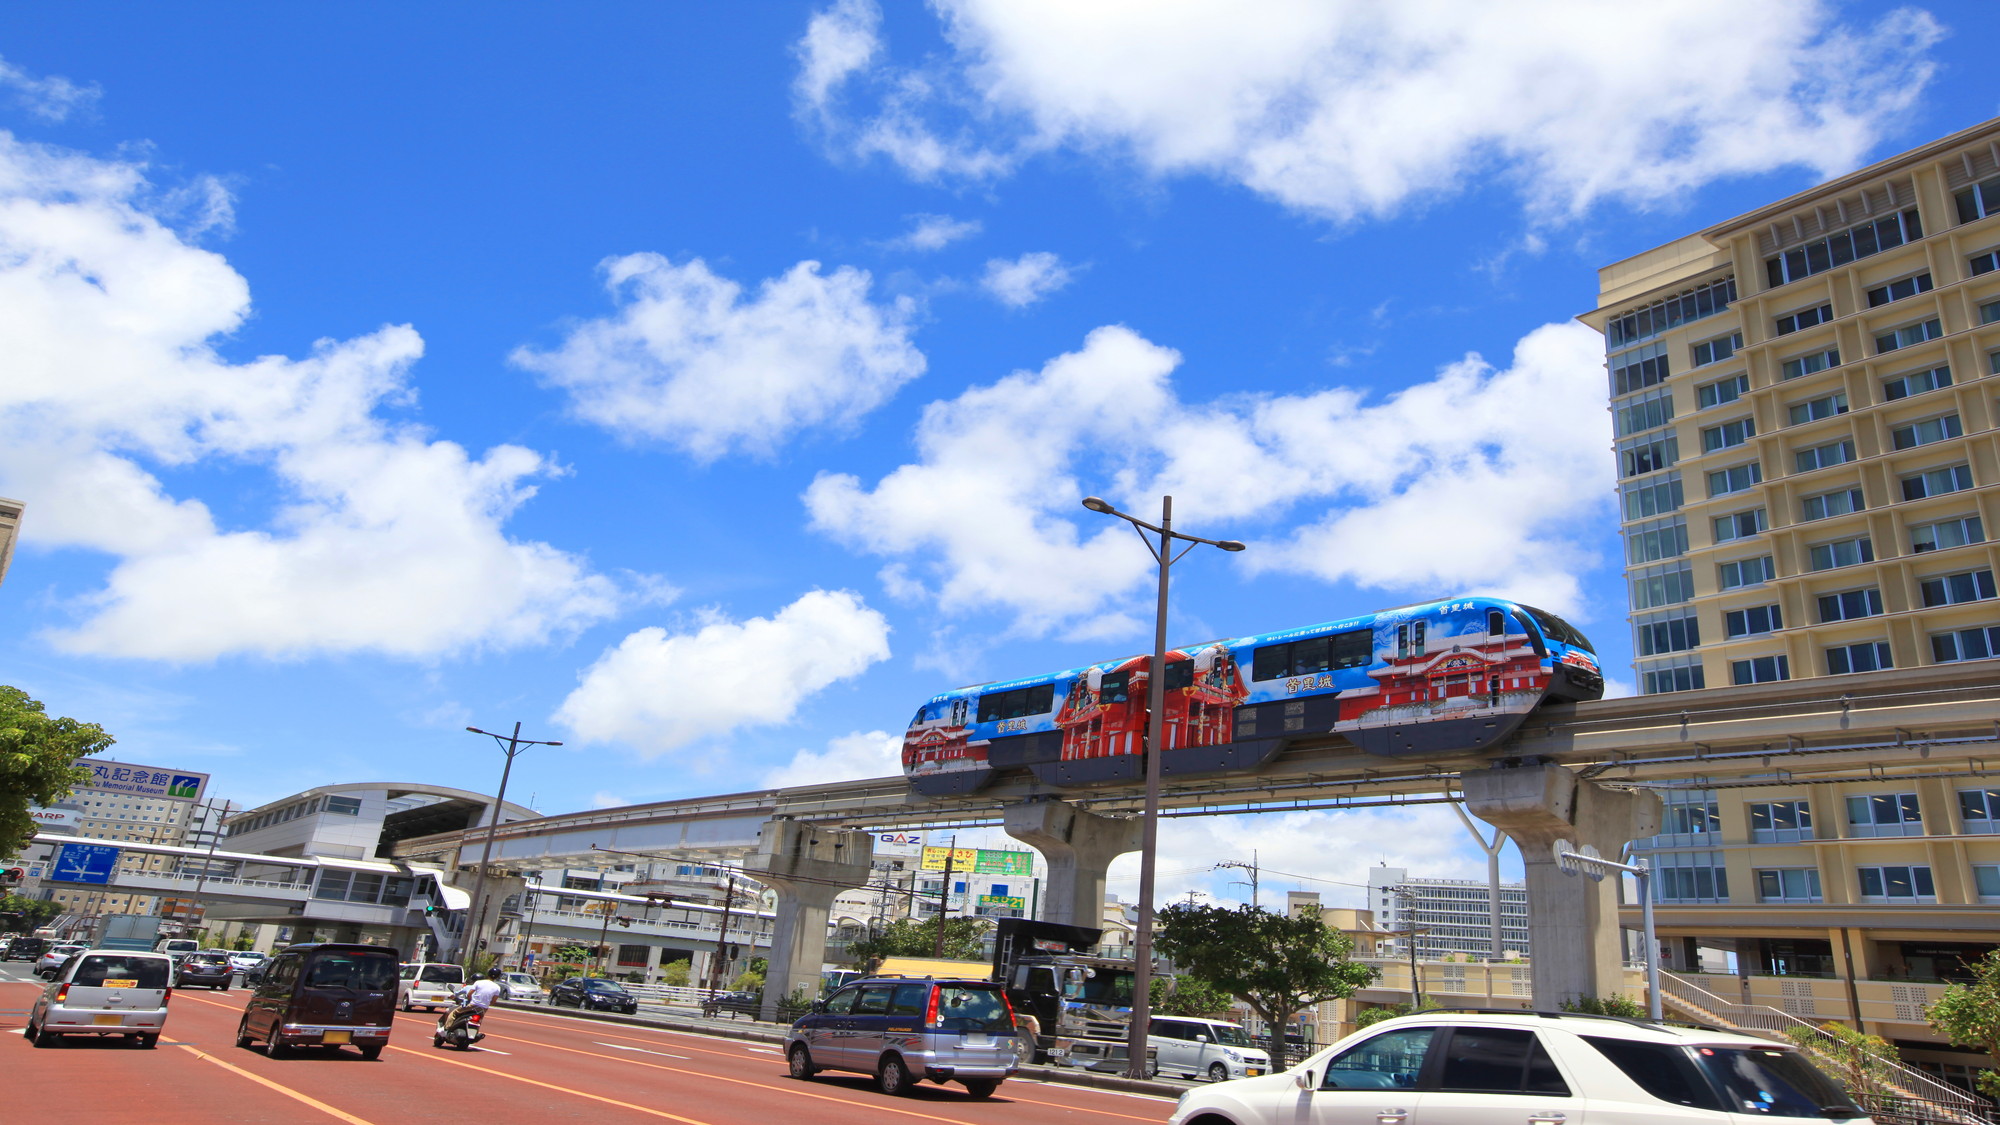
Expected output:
(819, 1005)
(1303, 1080)
(1202, 1037)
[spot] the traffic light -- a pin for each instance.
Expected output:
(430, 908)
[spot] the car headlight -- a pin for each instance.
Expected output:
(1231, 1055)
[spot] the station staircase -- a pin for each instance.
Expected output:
(1901, 1095)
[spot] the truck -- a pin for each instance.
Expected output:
(138, 932)
(1082, 1001)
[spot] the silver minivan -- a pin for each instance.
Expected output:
(1202, 1048)
(903, 1031)
(104, 992)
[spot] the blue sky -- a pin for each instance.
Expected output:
(705, 386)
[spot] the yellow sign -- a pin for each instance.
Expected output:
(981, 861)
(962, 859)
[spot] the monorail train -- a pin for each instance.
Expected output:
(1438, 680)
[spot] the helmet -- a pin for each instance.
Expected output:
(493, 974)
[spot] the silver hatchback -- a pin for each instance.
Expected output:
(105, 992)
(903, 1031)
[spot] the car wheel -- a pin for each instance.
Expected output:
(29, 1033)
(1217, 1072)
(274, 1045)
(894, 1078)
(801, 1063)
(372, 1053)
(981, 1087)
(46, 1038)
(437, 1039)
(148, 1041)
(243, 1031)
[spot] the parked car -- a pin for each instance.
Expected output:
(51, 961)
(208, 968)
(1447, 1066)
(903, 1031)
(1203, 1048)
(743, 1001)
(428, 984)
(323, 995)
(593, 993)
(243, 960)
(104, 992)
(26, 948)
(522, 988)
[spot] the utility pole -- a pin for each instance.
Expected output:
(511, 745)
(722, 935)
(1251, 867)
(944, 893)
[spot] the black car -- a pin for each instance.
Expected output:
(208, 968)
(730, 1003)
(26, 949)
(594, 993)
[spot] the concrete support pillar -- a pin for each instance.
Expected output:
(1078, 847)
(807, 866)
(1573, 940)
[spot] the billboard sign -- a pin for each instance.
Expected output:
(144, 781)
(1012, 902)
(53, 820)
(981, 861)
(84, 863)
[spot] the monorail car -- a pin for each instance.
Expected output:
(1438, 680)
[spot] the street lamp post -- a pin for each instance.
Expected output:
(511, 745)
(1156, 696)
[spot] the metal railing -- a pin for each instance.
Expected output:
(1915, 1097)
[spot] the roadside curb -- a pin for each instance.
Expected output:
(1056, 1074)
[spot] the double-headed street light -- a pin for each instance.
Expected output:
(511, 745)
(1156, 698)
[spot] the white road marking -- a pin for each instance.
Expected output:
(491, 1051)
(640, 1050)
(764, 1050)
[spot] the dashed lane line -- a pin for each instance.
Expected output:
(338, 1114)
(649, 1111)
(642, 1050)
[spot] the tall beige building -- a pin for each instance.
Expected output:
(10, 529)
(1804, 407)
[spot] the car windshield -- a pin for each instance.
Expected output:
(1773, 1082)
(1231, 1036)
(99, 971)
(1107, 988)
(603, 986)
(359, 971)
(442, 974)
(519, 978)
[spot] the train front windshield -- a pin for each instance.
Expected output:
(1559, 630)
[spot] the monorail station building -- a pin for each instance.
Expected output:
(1804, 401)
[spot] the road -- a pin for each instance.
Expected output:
(533, 1067)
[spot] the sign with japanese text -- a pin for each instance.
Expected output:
(980, 861)
(143, 781)
(1014, 902)
(84, 863)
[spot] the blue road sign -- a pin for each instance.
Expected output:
(84, 863)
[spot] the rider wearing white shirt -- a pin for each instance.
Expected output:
(476, 997)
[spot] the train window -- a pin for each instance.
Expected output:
(1180, 674)
(1351, 649)
(1496, 623)
(1017, 704)
(1111, 688)
(1410, 639)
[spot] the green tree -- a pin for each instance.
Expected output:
(1369, 1017)
(20, 915)
(1276, 963)
(1606, 1006)
(676, 973)
(909, 937)
(1192, 996)
(1863, 1063)
(37, 762)
(1968, 1014)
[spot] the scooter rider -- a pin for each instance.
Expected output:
(475, 997)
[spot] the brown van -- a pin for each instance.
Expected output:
(323, 995)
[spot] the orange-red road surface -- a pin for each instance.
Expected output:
(540, 1067)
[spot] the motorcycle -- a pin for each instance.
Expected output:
(459, 1033)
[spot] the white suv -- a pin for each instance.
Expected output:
(1451, 1067)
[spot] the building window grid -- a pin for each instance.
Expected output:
(1717, 349)
(1843, 246)
(1884, 814)
(1659, 539)
(1780, 822)
(1839, 502)
(1928, 431)
(1740, 525)
(1752, 621)
(1800, 366)
(1978, 201)
(1656, 586)
(1738, 573)
(1848, 605)
(1863, 656)
(1908, 336)
(1978, 643)
(1899, 289)
(1911, 883)
(1646, 499)
(1689, 877)
(1937, 482)
(1760, 669)
(1649, 411)
(1722, 391)
(1694, 304)
(1812, 410)
(1842, 552)
(1979, 809)
(1916, 383)
(1728, 435)
(1788, 884)
(1661, 635)
(1679, 673)
(1943, 535)
(1736, 478)
(1956, 589)
(1804, 318)
(1824, 456)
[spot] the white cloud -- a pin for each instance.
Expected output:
(750, 673)
(690, 360)
(1350, 109)
(53, 98)
(384, 540)
(851, 757)
(934, 232)
(1477, 480)
(1025, 280)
